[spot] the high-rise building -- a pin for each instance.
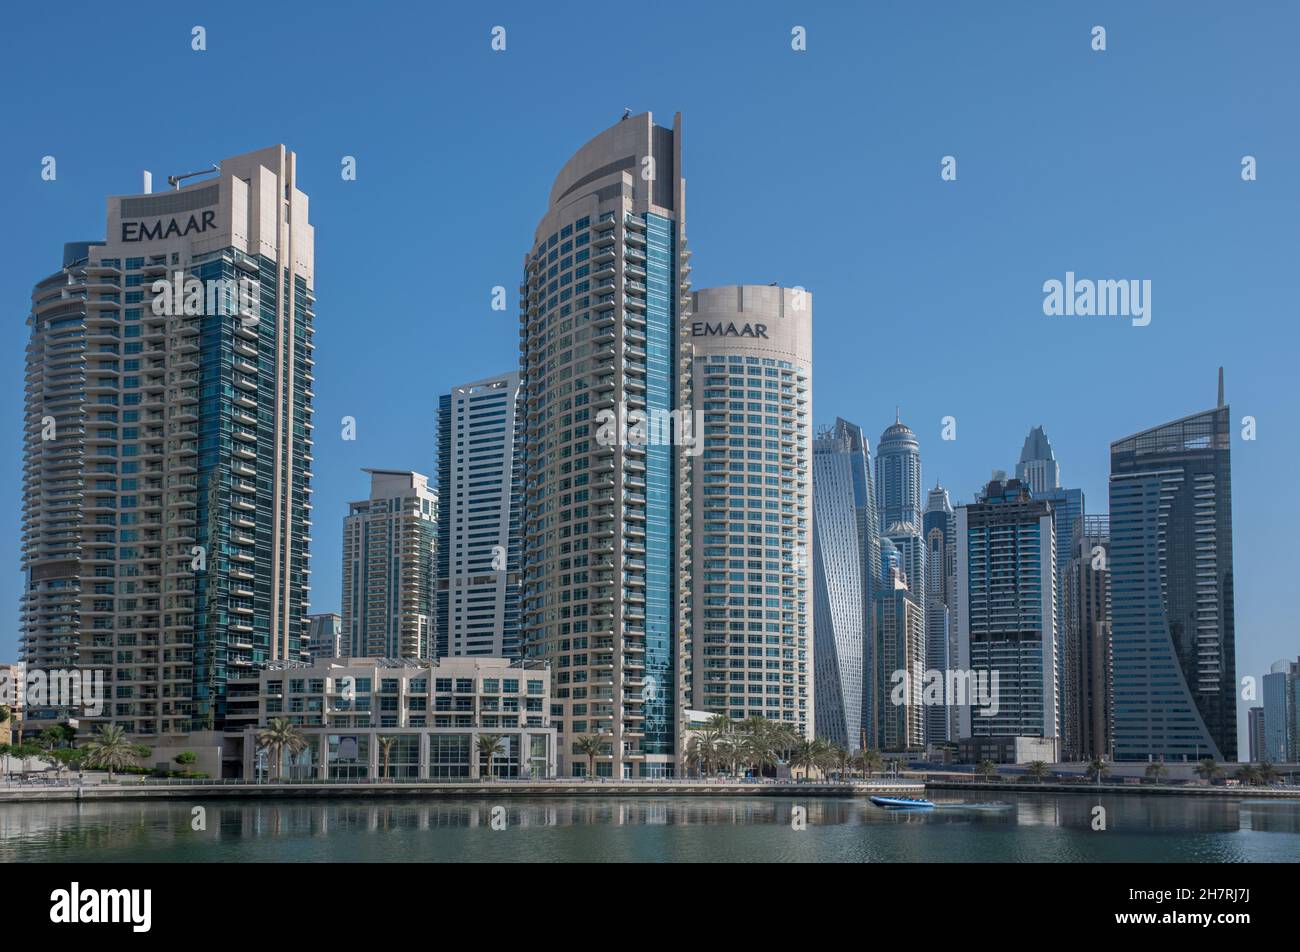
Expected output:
(899, 629)
(1085, 643)
(752, 607)
(1172, 626)
(606, 534)
(390, 545)
(843, 512)
(1006, 591)
(939, 525)
(324, 636)
(1255, 734)
(1282, 713)
(1038, 468)
(898, 478)
(480, 497)
(167, 446)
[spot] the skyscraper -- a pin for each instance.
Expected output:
(1038, 468)
(1085, 643)
(939, 524)
(324, 636)
(606, 536)
(898, 478)
(480, 496)
(1172, 628)
(167, 446)
(389, 554)
(1006, 590)
(752, 612)
(1255, 735)
(842, 510)
(1282, 713)
(899, 629)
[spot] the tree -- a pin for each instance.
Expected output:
(986, 769)
(824, 756)
(489, 745)
(1038, 769)
(1247, 775)
(869, 761)
(111, 750)
(278, 736)
(1156, 771)
(186, 759)
(1209, 769)
(804, 756)
(1267, 772)
(589, 744)
(1098, 769)
(386, 742)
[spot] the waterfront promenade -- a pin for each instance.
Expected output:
(149, 788)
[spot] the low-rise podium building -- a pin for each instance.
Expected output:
(437, 713)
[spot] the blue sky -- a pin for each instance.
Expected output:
(818, 168)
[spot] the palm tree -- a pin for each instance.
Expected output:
(489, 745)
(1098, 769)
(824, 756)
(1038, 770)
(1209, 769)
(386, 742)
(110, 749)
(1157, 771)
(757, 750)
(1267, 772)
(784, 739)
(589, 744)
(720, 724)
(1247, 774)
(278, 736)
(986, 768)
(870, 761)
(804, 756)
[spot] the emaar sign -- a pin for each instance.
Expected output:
(174, 227)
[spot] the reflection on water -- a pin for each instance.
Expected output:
(1044, 827)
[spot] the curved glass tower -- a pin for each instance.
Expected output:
(1172, 625)
(605, 535)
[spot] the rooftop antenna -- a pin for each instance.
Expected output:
(627, 111)
(175, 180)
(1220, 386)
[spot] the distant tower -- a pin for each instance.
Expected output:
(940, 528)
(898, 477)
(1038, 468)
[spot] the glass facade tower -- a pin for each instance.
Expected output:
(168, 447)
(1172, 625)
(605, 536)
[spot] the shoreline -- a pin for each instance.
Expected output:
(631, 789)
(1148, 789)
(507, 789)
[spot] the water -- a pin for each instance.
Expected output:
(1034, 827)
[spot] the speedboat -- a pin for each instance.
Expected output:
(903, 803)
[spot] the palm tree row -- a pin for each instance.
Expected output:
(756, 744)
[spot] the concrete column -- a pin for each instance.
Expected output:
(374, 753)
(473, 755)
(424, 755)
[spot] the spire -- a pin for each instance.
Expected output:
(1220, 386)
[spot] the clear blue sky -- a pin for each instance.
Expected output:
(818, 168)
